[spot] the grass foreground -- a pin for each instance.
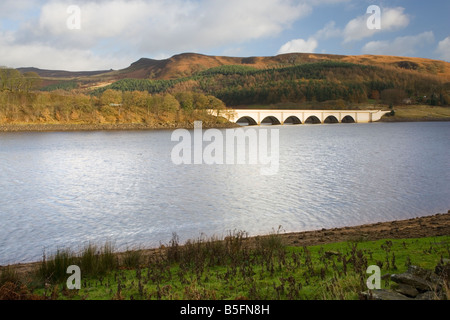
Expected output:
(234, 268)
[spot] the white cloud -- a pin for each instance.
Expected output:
(147, 27)
(401, 46)
(48, 57)
(391, 19)
(13, 9)
(299, 45)
(329, 31)
(443, 49)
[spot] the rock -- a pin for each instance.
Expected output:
(422, 279)
(419, 272)
(405, 289)
(384, 294)
(412, 280)
(386, 276)
(415, 284)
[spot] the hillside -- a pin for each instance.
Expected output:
(187, 64)
(62, 74)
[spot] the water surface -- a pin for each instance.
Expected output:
(67, 189)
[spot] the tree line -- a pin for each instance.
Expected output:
(14, 81)
(110, 107)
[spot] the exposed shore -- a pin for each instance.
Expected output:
(421, 227)
(104, 127)
(411, 119)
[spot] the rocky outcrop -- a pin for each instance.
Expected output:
(416, 284)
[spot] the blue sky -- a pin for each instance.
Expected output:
(114, 33)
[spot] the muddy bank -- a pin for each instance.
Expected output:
(105, 127)
(424, 119)
(429, 226)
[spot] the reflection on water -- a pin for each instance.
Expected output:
(66, 189)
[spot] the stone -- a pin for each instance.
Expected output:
(405, 289)
(414, 281)
(384, 294)
(386, 276)
(415, 284)
(419, 272)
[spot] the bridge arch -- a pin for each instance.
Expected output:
(271, 120)
(331, 120)
(313, 120)
(292, 120)
(247, 121)
(348, 119)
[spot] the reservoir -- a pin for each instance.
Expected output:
(68, 189)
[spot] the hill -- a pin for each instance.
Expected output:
(62, 74)
(187, 64)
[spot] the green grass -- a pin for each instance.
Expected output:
(93, 260)
(209, 269)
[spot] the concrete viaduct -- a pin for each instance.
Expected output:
(293, 117)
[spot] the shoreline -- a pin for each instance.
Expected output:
(420, 227)
(104, 127)
(45, 127)
(400, 120)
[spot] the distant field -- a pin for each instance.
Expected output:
(420, 113)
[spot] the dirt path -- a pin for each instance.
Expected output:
(429, 226)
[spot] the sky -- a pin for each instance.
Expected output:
(81, 35)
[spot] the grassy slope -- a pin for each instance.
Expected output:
(270, 272)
